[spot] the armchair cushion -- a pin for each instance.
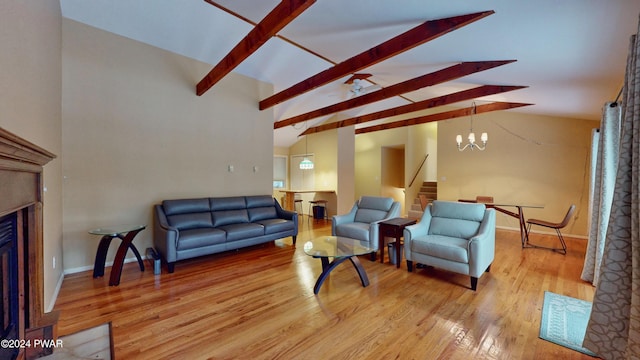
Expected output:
(355, 230)
(443, 247)
(361, 222)
(371, 208)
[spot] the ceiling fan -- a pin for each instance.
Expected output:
(358, 85)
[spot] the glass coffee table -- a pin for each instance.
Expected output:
(340, 249)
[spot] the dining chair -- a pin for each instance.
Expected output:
(552, 225)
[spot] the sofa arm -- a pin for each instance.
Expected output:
(287, 215)
(165, 237)
(482, 246)
(343, 219)
(282, 213)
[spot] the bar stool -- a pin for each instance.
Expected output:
(322, 203)
(297, 201)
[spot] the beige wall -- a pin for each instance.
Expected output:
(30, 93)
(529, 160)
(135, 133)
(368, 161)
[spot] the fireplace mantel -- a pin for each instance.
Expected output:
(21, 166)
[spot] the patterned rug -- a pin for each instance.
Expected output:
(564, 321)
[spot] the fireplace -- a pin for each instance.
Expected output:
(9, 302)
(22, 316)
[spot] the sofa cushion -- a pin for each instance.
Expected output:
(262, 213)
(227, 203)
(191, 221)
(358, 231)
(242, 231)
(443, 247)
(221, 218)
(272, 226)
(259, 201)
(185, 206)
(196, 238)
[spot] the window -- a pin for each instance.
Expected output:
(279, 172)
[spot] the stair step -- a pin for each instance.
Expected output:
(413, 214)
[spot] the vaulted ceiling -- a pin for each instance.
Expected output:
(569, 56)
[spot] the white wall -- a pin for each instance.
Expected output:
(135, 133)
(30, 93)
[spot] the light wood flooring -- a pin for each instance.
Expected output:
(258, 303)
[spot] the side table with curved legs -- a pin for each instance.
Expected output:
(125, 233)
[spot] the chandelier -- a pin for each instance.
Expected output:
(472, 137)
(306, 164)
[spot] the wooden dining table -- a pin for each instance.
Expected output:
(518, 214)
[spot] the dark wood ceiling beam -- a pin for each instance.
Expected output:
(443, 116)
(278, 18)
(480, 91)
(420, 34)
(436, 77)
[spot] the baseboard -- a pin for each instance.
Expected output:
(107, 264)
(54, 297)
(573, 236)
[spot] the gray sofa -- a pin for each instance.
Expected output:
(186, 228)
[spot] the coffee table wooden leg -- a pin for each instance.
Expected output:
(326, 269)
(363, 274)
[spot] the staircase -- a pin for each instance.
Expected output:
(428, 192)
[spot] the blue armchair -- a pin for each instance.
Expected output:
(454, 236)
(361, 222)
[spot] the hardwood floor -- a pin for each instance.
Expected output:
(258, 303)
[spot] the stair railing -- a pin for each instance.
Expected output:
(418, 171)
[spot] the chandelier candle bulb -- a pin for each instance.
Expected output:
(484, 137)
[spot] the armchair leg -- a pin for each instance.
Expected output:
(410, 265)
(373, 256)
(171, 267)
(294, 239)
(488, 268)
(474, 283)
